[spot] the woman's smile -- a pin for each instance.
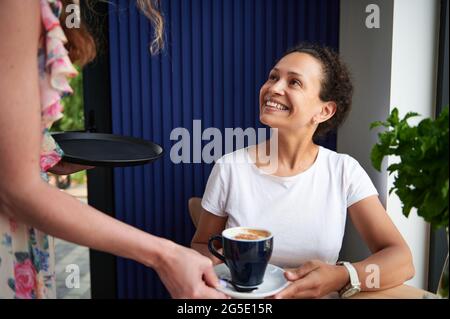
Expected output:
(274, 106)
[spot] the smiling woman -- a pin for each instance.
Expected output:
(305, 200)
(324, 80)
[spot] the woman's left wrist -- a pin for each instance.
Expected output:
(342, 277)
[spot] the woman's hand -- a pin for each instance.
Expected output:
(65, 168)
(187, 274)
(314, 279)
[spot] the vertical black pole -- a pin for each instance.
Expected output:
(97, 107)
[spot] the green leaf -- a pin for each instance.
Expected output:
(407, 134)
(425, 127)
(409, 115)
(421, 177)
(73, 119)
(388, 139)
(393, 118)
(378, 123)
(394, 167)
(392, 189)
(376, 157)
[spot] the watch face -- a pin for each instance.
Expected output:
(350, 292)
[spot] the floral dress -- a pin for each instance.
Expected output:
(27, 265)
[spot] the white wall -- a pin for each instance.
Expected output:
(413, 88)
(393, 66)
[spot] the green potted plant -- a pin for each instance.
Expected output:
(73, 120)
(422, 174)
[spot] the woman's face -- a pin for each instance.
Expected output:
(289, 99)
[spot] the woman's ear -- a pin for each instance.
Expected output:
(328, 110)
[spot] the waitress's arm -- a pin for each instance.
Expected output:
(23, 194)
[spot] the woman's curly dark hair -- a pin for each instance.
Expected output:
(336, 84)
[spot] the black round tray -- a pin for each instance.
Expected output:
(108, 150)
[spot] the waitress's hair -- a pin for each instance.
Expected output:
(81, 44)
(336, 84)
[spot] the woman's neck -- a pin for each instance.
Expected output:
(295, 152)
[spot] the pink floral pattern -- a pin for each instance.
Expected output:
(27, 267)
(25, 279)
(55, 70)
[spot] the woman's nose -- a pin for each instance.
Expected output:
(277, 88)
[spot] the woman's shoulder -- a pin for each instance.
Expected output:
(336, 159)
(239, 156)
(233, 163)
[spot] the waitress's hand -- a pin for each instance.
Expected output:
(65, 168)
(314, 279)
(188, 274)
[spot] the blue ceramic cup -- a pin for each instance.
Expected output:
(246, 252)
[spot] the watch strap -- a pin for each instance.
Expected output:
(354, 280)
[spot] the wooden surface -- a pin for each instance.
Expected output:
(399, 292)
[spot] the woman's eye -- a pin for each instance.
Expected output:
(272, 77)
(296, 82)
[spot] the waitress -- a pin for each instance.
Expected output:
(35, 68)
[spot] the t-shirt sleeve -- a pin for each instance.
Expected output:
(216, 192)
(359, 184)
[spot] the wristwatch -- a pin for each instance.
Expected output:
(354, 286)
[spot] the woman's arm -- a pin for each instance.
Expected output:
(208, 225)
(390, 255)
(37, 204)
(34, 202)
(390, 252)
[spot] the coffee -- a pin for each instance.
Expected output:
(246, 252)
(247, 237)
(252, 234)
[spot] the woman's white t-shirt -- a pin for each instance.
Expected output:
(306, 212)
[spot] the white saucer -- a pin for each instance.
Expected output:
(274, 282)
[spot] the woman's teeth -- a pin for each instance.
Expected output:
(275, 105)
